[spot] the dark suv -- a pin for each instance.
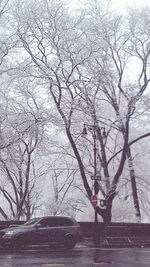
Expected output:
(45, 230)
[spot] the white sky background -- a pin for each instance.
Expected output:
(123, 4)
(119, 5)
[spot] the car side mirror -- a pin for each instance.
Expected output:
(13, 225)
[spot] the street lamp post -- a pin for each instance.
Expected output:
(95, 177)
(95, 167)
(94, 127)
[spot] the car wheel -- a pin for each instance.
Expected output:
(14, 246)
(7, 246)
(69, 242)
(19, 243)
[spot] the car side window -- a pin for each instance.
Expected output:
(44, 223)
(55, 222)
(48, 222)
(65, 222)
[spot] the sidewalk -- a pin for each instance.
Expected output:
(120, 242)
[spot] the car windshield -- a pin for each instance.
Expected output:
(31, 222)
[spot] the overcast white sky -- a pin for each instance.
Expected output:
(121, 5)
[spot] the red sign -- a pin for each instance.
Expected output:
(94, 200)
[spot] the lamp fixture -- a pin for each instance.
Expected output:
(84, 132)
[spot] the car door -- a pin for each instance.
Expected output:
(60, 227)
(66, 227)
(53, 235)
(48, 230)
(42, 231)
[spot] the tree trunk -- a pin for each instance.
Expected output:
(105, 213)
(134, 186)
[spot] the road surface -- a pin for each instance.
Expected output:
(80, 256)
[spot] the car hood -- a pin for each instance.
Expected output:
(15, 229)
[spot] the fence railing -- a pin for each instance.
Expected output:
(112, 230)
(113, 235)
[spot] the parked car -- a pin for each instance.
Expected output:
(45, 230)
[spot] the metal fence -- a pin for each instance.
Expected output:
(115, 234)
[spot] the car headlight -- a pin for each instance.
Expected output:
(9, 233)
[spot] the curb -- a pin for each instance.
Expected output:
(121, 242)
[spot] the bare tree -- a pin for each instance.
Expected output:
(17, 166)
(64, 192)
(18, 161)
(86, 71)
(110, 77)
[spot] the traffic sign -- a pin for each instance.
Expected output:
(94, 200)
(103, 204)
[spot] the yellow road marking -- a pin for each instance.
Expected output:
(52, 264)
(100, 263)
